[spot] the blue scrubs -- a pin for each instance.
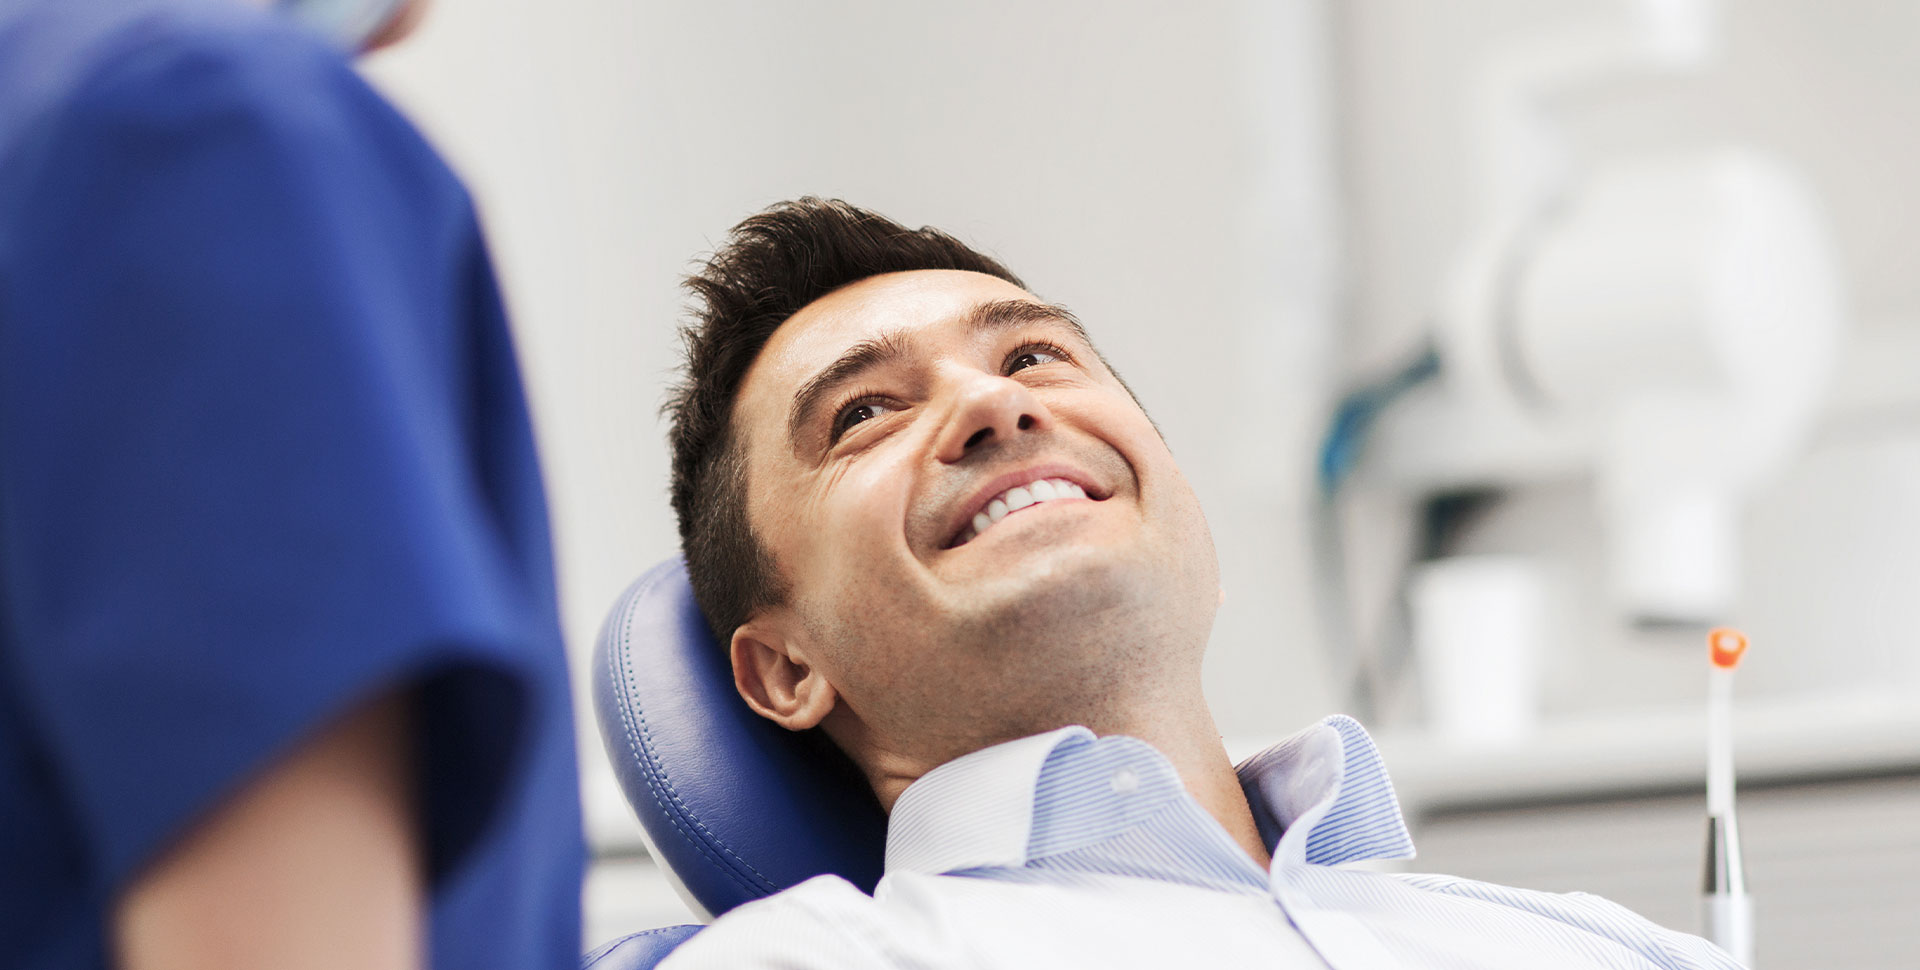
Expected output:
(263, 455)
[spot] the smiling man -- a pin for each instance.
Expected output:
(928, 519)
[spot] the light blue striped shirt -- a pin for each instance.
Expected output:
(1064, 849)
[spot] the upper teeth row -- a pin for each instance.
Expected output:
(1019, 497)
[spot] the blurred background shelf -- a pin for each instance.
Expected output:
(1779, 740)
(1615, 805)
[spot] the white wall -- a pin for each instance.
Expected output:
(1163, 169)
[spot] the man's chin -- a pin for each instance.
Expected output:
(1061, 591)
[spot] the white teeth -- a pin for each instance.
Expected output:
(1019, 497)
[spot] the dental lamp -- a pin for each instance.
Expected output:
(1666, 325)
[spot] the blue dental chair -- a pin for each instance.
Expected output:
(732, 806)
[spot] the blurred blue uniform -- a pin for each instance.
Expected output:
(263, 455)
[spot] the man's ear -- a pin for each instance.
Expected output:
(773, 674)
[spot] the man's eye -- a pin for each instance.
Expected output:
(857, 412)
(1033, 356)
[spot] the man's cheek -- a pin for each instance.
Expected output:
(870, 505)
(868, 538)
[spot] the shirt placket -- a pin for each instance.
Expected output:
(1340, 938)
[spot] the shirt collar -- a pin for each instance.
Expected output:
(974, 811)
(1323, 795)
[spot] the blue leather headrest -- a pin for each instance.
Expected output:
(734, 806)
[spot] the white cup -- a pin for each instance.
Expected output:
(1478, 624)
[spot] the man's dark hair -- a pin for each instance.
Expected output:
(771, 265)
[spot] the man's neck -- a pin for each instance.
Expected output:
(1201, 758)
(1188, 739)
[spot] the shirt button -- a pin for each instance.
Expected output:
(1125, 781)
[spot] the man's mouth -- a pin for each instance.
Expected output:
(1014, 499)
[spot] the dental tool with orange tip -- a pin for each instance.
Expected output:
(1726, 908)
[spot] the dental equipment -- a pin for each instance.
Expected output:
(1661, 325)
(1726, 909)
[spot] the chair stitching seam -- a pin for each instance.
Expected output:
(640, 736)
(607, 949)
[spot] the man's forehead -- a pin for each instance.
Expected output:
(892, 304)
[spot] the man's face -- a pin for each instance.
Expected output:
(884, 425)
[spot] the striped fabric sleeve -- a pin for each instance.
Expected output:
(824, 923)
(1597, 915)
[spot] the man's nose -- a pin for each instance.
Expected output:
(988, 409)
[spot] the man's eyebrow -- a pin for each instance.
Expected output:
(858, 359)
(889, 347)
(1007, 314)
